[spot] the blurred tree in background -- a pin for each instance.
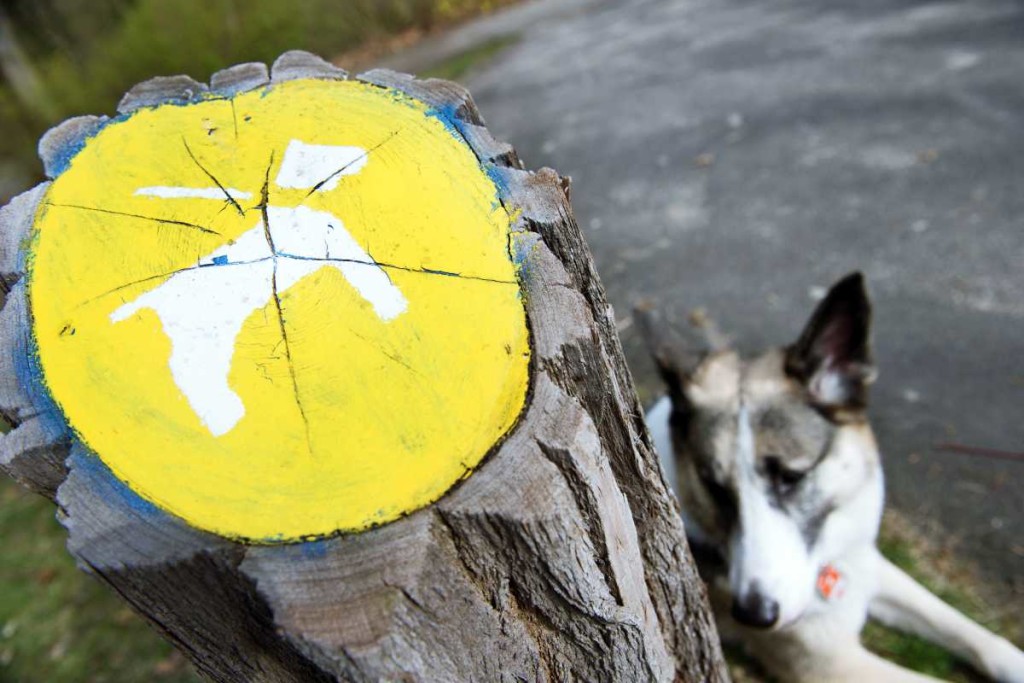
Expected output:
(61, 58)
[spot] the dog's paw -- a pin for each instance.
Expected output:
(1003, 662)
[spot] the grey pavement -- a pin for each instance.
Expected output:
(741, 156)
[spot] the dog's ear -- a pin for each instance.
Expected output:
(675, 362)
(832, 357)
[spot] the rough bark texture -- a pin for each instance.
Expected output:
(561, 558)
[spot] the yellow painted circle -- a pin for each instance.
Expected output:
(284, 314)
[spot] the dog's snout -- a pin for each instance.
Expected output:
(754, 608)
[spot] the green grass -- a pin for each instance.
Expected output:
(59, 625)
(913, 652)
(459, 65)
(916, 653)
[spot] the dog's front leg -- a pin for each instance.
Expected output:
(906, 605)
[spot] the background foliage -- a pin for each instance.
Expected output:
(63, 58)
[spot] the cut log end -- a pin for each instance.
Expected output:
(531, 536)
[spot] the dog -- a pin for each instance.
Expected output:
(780, 484)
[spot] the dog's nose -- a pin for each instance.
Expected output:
(755, 609)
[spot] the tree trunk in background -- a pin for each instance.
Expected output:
(561, 557)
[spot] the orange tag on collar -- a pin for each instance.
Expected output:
(831, 583)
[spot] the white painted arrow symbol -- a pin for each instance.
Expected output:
(202, 309)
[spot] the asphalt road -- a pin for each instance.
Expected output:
(742, 155)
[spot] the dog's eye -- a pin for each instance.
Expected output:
(780, 475)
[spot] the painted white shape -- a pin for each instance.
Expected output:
(302, 233)
(303, 166)
(191, 192)
(202, 309)
(251, 246)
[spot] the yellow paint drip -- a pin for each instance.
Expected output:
(356, 408)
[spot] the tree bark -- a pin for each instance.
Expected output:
(562, 557)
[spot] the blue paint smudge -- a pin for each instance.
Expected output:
(498, 177)
(63, 157)
(220, 260)
(448, 116)
(521, 246)
(87, 464)
(29, 371)
(314, 550)
(61, 160)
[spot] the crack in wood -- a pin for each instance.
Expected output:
(288, 358)
(276, 295)
(410, 598)
(8, 281)
(234, 117)
(590, 512)
(349, 165)
(408, 269)
(380, 350)
(230, 199)
(445, 530)
(422, 271)
(166, 221)
(159, 276)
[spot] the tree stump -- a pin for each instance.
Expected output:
(325, 385)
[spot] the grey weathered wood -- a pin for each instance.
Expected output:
(33, 451)
(63, 139)
(561, 558)
(489, 149)
(239, 78)
(15, 225)
(298, 64)
(160, 90)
